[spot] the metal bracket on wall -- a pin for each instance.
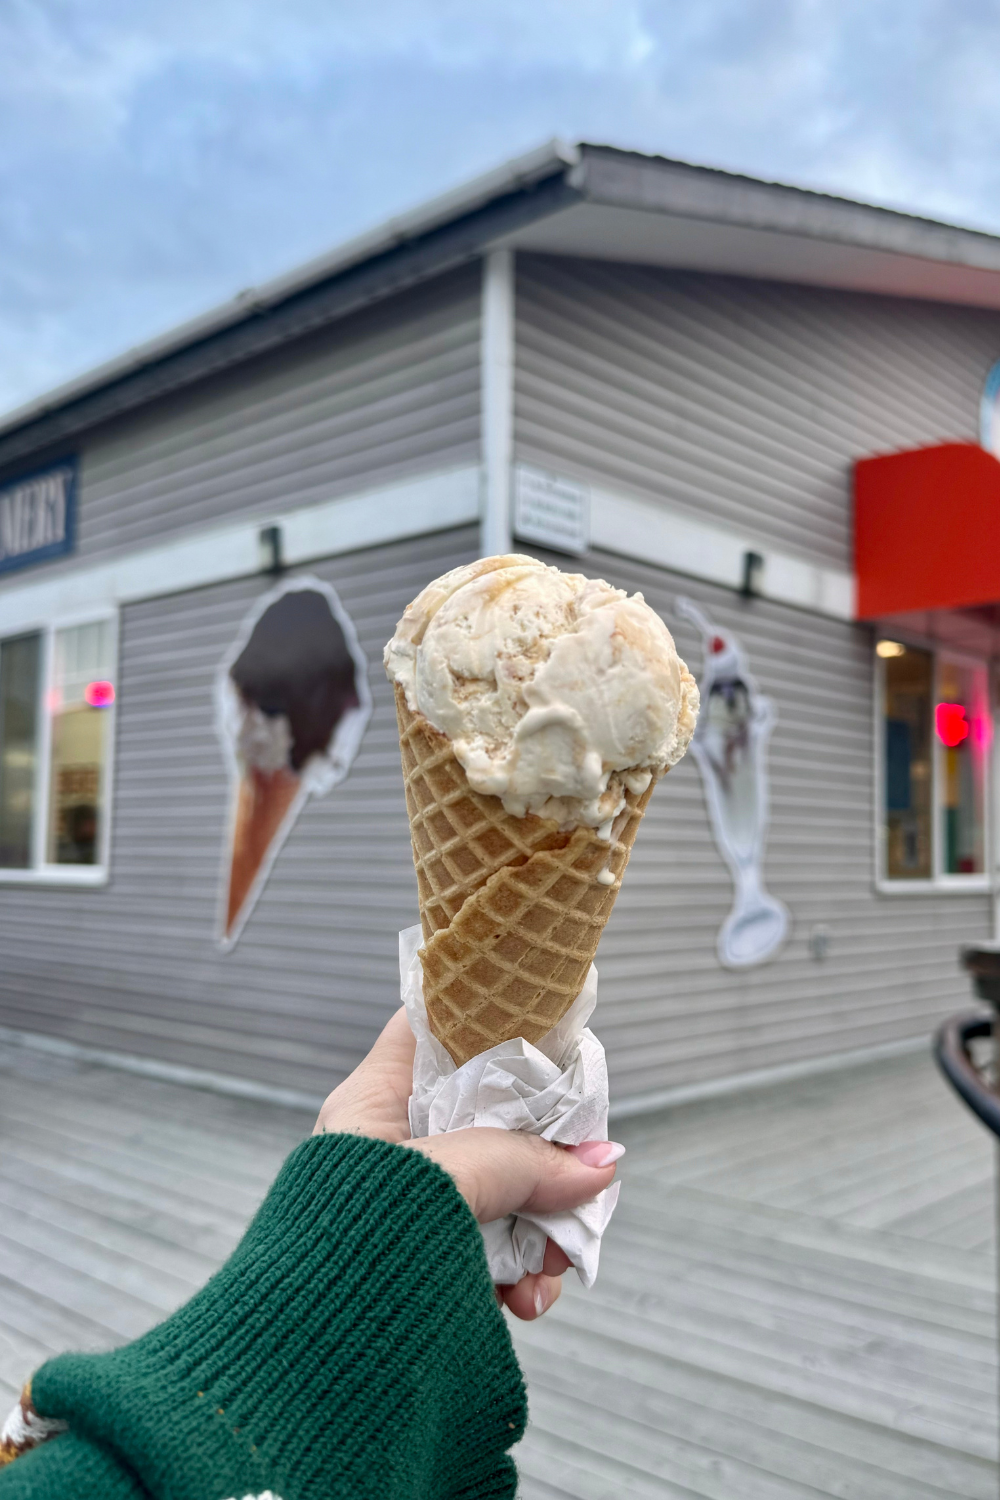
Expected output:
(269, 543)
(753, 567)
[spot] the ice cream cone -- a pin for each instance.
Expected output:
(262, 804)
(512, 908)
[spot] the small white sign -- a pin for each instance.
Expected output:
(550, 511)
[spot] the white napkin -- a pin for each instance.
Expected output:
(558, 1090)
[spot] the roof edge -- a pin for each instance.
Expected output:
(455, 227)
(657, 184)
(519, 172)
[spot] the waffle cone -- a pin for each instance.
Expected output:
(262, 803)
(511, 908)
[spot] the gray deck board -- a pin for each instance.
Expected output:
(246, 1155)
(638, 1433)
(954, 1279)
(183, 1188)
(795, 1175)
(701, 1401)
(37, 1316)
(817, 1330)
(116, 1309)
(130, 1271)
(829, 1308)
(797, 1297)
(141, 1156)
(204, 1220)
(856, 1389)
(114, 1219)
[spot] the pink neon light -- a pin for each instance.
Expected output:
(982, 731)
(949, 721)
(100, 694)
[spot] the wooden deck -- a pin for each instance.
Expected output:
(796, 1299)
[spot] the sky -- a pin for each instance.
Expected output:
(157, 158)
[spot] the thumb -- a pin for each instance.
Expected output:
(501, 1172)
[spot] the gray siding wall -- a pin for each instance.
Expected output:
(739, 402)
(730, 399)
(668, 1013)
(387, 393)
(133, 967)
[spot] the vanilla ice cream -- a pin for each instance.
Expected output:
(558, 692)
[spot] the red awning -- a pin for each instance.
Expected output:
(927, 530)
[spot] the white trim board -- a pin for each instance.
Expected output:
(636, 528)
(413, 507)
(497, 399)
(620, 523)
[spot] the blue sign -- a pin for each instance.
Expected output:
(38, 516)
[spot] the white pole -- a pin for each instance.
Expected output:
(497, 394)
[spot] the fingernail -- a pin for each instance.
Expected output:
(541, 1298)
(598, 1153)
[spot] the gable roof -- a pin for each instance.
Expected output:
(563, 199)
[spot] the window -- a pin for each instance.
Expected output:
(936, 733)
(56, 731)
(19, 679)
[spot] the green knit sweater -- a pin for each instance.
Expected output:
(351, 1347)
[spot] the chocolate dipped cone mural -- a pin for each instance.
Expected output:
(730, 748)
(293, 702)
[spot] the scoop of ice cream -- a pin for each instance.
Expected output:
(557, 692)
(296, 677)
(263, 741)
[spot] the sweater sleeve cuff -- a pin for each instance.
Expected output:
(352, 1345)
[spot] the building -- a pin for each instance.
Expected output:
(667, 375)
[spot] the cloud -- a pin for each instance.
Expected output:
(157, 158)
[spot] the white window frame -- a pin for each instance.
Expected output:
(41, 872)
(940, 882)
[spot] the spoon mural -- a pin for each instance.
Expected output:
(730, 748)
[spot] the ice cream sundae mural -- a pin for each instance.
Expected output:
(730, 748)
(292, 700)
